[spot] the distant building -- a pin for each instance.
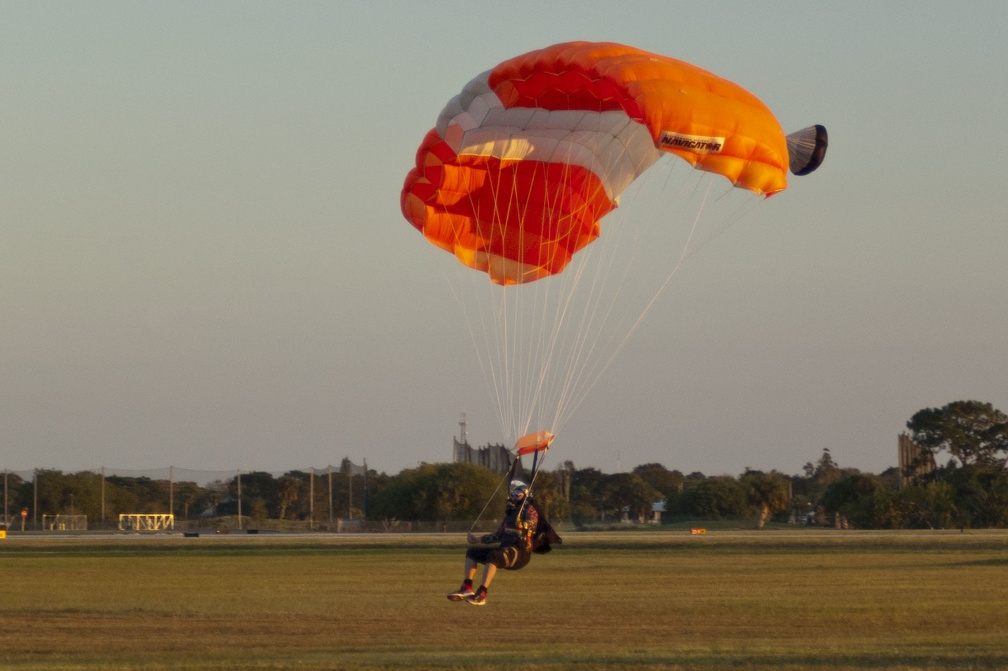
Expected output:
(495, 457)
(914, 460)
(657, 508)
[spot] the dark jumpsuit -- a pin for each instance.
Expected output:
(513, 538)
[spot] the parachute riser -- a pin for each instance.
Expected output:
(537, 463)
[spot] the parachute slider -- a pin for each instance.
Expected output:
(807, 149)
(534, 442)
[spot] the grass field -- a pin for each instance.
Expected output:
(644, 600)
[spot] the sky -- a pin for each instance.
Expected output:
(203, 262)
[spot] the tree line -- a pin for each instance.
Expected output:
(968, 490)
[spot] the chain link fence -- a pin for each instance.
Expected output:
(328, 498)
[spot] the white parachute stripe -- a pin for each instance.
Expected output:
(614, 147)
(476, 87)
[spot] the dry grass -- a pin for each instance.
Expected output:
(799, 600)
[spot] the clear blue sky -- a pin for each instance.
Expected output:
(203, 262)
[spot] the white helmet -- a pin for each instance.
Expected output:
(519, 490)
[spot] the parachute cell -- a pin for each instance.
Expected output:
(526, 160)
(807, 149)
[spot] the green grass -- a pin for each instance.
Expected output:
(788, 600)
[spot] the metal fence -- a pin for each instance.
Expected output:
(30, 501)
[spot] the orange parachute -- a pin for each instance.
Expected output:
(527, 159)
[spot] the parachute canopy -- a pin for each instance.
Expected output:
(533, 442)
(527, 159)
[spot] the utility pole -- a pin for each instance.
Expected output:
(239, 502)
(366, 499)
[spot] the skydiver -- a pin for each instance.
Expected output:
(509, 547)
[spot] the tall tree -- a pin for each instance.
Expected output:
(630, 493)
(971, 431)
(862, 499)
(826, 471)
(769, 493)
(715, 498)
(665, 481)
(587, 494)
(289, 490)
